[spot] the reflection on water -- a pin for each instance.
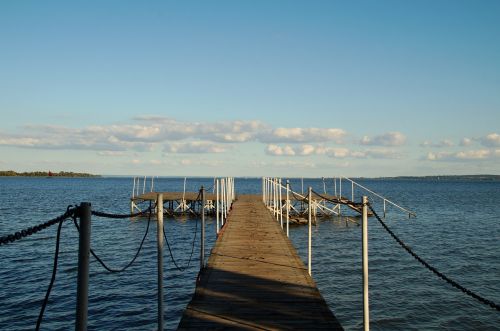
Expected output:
(457, 231)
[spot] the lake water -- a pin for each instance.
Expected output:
(457, 231)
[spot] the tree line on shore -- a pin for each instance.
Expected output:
(12, 173)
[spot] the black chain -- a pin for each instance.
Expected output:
(120, 216)
(434, 270)
(4, 240)
(112, 270)
(181, 269)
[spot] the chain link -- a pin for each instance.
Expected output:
(434, 270)
(37, 228)
(121, 216)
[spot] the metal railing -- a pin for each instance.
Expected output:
(384, 199)
(272, 198)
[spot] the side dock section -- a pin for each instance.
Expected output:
(255, 279)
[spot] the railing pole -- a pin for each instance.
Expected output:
(217, 204)
(82, 292)
(309, 241)
(223, 202)
(263, 191)
(159, 239)
(133, 189)
(366, 306)
(287, 208)
(352, 191)
(340, 194)
(202, 248)
(281, 205)
(335, 185)
(384, 208)
(137, 187)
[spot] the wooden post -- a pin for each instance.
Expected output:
(309, 241)
(82, 291)
(202, 248)
(287, 208)
(366, 306)
(159, 239)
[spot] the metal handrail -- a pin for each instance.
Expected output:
(381, 197)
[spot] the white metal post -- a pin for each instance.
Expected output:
(217, 204)
(340, 193)
(281, 205)
(335, 185)
(366, 306)
(263, 191)
(202, 248)
(82, 291)
(223, 201)
(144, 185)
(133, 189)
(309, 241)
(287, 208)
(352, 191)
(384, 208)
(159, 240)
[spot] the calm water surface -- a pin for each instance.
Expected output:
(457, 231)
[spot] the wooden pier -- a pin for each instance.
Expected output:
(254, 279)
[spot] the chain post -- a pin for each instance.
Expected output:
(82, 292)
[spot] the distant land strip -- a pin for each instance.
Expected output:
(444, 178)
(11, 173)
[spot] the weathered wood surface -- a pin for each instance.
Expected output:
(254, 279)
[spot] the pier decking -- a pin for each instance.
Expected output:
(254, 279)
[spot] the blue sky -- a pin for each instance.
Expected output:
(251, 88)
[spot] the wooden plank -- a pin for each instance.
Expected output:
(255, 279)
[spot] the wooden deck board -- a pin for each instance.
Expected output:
(255, 280)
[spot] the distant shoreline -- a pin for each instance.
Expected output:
(11, 173)
(443, 178)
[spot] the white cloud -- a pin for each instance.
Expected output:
(194, 147)
(280, 151)
(302, 135)
(441, 144)
(333, 152)
(465, 142)
(386, 139)
(491, 140)
(110, 153)
(470, 155)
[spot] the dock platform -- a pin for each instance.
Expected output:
(254, 279)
